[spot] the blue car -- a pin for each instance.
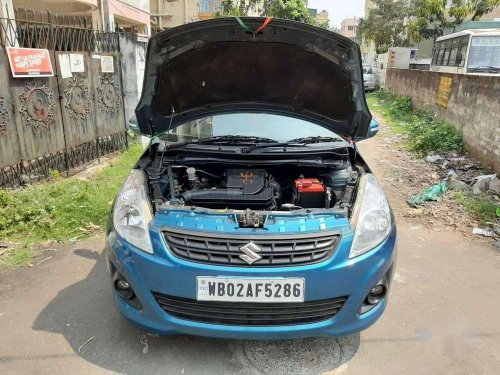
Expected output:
(251, 214)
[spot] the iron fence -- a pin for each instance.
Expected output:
(56, 33)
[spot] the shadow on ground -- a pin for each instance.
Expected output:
(85, 310)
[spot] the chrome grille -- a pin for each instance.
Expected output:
(284, 250)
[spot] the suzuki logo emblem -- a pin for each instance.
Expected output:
(250, 251)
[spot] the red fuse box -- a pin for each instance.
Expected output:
(309, 193)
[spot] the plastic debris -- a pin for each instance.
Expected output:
(486, 177)
(144, 342)
(44, 260)
(431, 194)
(486, 232)
(432, 159)
(85, 343)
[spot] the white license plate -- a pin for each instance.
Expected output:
(249, 290)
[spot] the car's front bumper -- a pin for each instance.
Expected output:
(369, 85)
(335, 277)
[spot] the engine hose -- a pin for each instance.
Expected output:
(171, 182)
(201, 171)
(189, 195)
(277, 190)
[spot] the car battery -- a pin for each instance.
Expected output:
(309, 193)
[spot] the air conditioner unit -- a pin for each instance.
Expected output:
(154, 20)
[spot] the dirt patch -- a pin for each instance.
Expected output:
(86, 172)
(403, 175)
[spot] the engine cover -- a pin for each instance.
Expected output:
(245, 188)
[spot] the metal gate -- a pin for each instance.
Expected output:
(78, 115)
(109, 107)
(10, 153)
(60, 122)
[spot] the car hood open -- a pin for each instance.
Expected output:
(230, 65)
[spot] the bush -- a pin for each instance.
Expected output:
(426, 132)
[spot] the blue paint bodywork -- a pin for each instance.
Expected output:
(373, 130)
(337, 276)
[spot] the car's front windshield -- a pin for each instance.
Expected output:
(260, 125)
(484, 54)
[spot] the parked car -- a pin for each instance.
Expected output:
(368, 78)
(252, 214)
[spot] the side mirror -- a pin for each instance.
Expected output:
(133, 124)
(373, 128)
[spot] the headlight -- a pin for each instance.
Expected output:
(374, 218)
(132, 212)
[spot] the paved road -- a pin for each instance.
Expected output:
(443, 317)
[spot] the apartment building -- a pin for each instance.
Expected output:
(124, 15)
(349, 28)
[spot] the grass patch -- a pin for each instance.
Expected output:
(482, 209)
(19, 257)
(63, 208)
(426, 132)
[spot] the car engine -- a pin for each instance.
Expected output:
(274, 187)
(242, 188)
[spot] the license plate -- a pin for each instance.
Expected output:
(249, 290)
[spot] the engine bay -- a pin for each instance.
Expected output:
(261, 187)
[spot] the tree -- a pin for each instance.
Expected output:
(289, 9)
(433, 17)
(385, 24)
(237, 8)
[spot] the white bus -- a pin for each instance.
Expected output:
(468, 52)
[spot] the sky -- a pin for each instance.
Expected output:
(339, 9)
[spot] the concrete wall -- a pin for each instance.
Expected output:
(473, 106)
(174, 13)
(133, 58)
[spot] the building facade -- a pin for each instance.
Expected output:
(166, 14)
(349, 28)
(322, 18)
(115, 15)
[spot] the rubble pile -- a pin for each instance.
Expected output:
(418, 178)
(464, 173)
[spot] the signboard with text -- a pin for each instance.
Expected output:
(444, 91)
(29, 62)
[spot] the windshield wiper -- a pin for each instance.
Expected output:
(488, 68)
(316, 139)
(299, 142)
(225, 139)
(229, 139)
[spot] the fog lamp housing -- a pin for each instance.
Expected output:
(377, 293)
(375, 296)
(122, 286)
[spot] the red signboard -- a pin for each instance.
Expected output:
(29, 62)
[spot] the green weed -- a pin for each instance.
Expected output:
(426, 132)
(481, 208)
(19, 257)
(63, 208)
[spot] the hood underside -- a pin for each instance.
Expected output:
(288, 68)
